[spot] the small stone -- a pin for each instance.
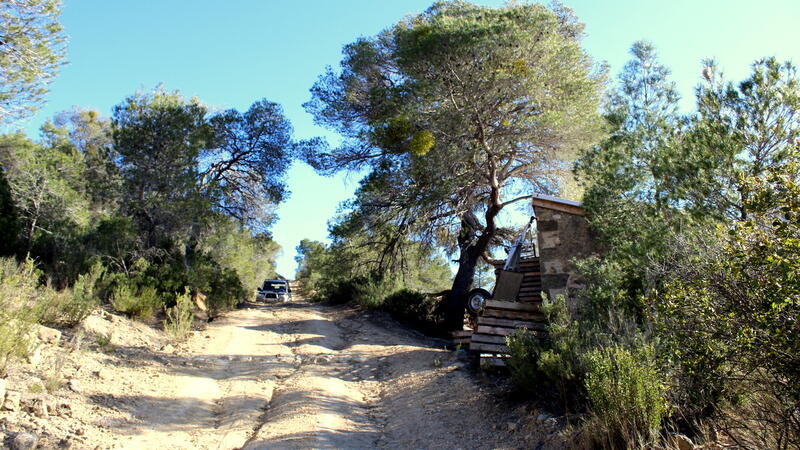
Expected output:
(2, 390)
(168, 348)
(681, 442)
(34, 357)
(103, 374)
(40, 409)
(24, 441)
(75, 385)
(542, 417)
(12, 401)
(49, 335)
(79, 431)
(511, 426)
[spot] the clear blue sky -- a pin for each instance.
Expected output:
(232, 53)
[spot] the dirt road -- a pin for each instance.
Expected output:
(291, 375)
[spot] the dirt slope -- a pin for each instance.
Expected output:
(292, 375)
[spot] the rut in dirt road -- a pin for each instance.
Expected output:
(297, 375)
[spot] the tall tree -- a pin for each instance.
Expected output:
(181, 167)
(32, 47)
(247, 160)
(740, 131)
(46, 186)
(159, 137)
(459, 112)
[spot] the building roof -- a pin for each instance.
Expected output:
(558, 204)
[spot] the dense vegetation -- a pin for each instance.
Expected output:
(688, 320)
(458, 113)
(141, 211)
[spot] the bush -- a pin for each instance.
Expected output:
(552, 364)
(179, 317)
(523, 363)
(72, 305)
(626, 395)
(139, 305)
(414, 308)
(18, 312)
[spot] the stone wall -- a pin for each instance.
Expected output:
(563, 235)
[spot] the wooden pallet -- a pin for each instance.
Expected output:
(498, 320)
(461, 337)
(531, 288)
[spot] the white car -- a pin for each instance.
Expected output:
(274, 290)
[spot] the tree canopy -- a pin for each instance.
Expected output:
(459, 112)
(32, 47)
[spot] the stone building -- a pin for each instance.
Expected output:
(563, 234)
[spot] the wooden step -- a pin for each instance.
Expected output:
(514, 315)
(512, 306)
(488, 339)
(490, 348)
(511, 323)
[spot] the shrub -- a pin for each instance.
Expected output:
(414, 308)
(552, 364)
(626, 395)
(179, 317)
(523, 363)
(18, 312)
(139, 305)
(72, 305)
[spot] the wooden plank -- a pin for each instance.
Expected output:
(514, 306)
(568, 208)
(516, 315)
(529, 324)
(495, 331)
(493, 360)
(462, 333)
(493, 348)
(529, 290)
(488, 339)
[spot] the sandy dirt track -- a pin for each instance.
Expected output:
(291, 375)
(302, 376)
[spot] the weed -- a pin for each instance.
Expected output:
(179, 318)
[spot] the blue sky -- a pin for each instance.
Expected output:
(232, 53)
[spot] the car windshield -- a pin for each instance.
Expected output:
(274, 286)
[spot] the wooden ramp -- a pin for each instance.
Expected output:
(501, 317)
(498, 320)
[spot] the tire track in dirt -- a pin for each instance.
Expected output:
(296, 375)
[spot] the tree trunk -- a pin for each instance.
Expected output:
(471, 251)
(457, 297)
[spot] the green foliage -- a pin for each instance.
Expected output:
(70, 306)
(421, 143)
(18, 309)
(415, 309)
(9, 222)
(626, 395)
(34, 46)
(697, 217)
(525, 349)
(729, 314)
(405, 102)
(551, 365)
(178, 324)
(140, 303)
